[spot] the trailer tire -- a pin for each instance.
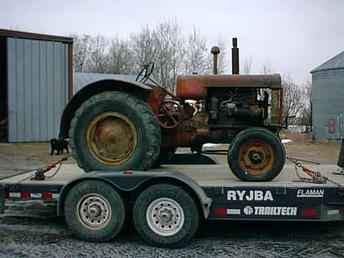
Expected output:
(256, 154)
(94, 211)
(114, 131)
(166, 216)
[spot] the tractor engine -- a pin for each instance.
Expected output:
(226, 104)
(233, 106)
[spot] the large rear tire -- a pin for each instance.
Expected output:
(115, 131)
(256, 154)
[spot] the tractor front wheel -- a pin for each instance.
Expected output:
(256, 154)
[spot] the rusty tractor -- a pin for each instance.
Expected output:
(119, 124)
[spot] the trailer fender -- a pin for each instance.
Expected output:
(137, 181)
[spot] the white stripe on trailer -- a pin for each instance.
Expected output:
(36, 195)
(14, 195)
(32, 195)
(56, 196)
(333, 212)
(233, 212)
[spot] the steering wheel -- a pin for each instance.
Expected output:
(170, 114)
(146, 71)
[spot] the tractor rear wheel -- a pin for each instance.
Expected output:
(114, 131)
(256, 154)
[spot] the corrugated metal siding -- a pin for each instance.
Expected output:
(328, 104)
(37, 88)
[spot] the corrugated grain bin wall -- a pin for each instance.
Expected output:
(328, 99)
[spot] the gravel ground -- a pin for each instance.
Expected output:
(34, 237)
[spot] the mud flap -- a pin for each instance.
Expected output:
(340, 162)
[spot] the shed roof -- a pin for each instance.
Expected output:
(334, 63)
(34, 36)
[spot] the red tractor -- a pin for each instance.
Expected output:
(123, 124)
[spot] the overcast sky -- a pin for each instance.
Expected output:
(291, 36)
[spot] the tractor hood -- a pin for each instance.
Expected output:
(195, 86)
(226, 80)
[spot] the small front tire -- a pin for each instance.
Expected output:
(256, 154)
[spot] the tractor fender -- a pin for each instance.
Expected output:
(137, 181)
(89, 84)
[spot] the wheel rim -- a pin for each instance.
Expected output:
(256, 158)
(165, 217)
(94, 211)
(111, 138)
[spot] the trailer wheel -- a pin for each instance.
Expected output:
(256, 154)
(115, 131)
(94, 211)
(166, 216)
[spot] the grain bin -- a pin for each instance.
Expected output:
(328, 99)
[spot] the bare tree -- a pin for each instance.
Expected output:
(196, 54)
(98, 55)
(144, 47)
(248, 65)
(172, 52)
(169, 45)
(81, 51)
(306, 112)
(121, 57)
(292, 100)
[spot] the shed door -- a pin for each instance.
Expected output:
(37, 88)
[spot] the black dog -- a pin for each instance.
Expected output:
(58, 145)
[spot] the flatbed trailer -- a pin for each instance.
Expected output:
(167, 204)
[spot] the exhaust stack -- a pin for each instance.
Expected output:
(235, 57)
(215, 51)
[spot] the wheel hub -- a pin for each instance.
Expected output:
(256, 157)
(165, 217)
(94, 211)
(111, 138)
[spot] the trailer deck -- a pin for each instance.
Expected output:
(285, 198)
(205, 175)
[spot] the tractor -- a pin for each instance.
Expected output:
(120, 124)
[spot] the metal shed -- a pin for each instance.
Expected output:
(328, 99)
(36, 81)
